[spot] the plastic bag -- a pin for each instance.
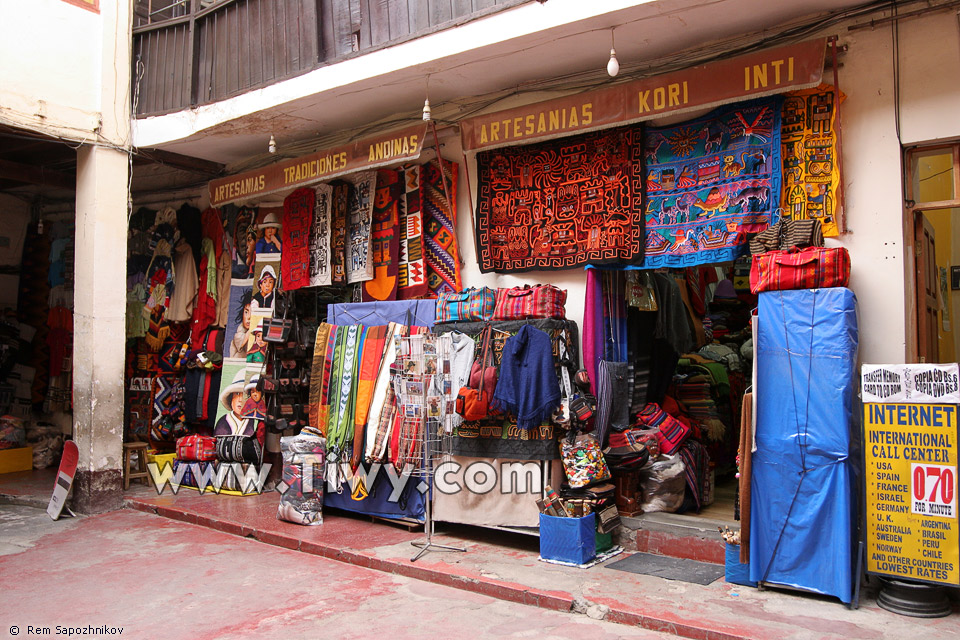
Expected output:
(583, 461)
(663, 484)
(304, 459)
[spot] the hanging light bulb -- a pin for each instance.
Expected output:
(613, 67)
(40, 227)
(272, 145)
(427, 115)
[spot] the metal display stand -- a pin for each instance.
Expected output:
(422, 387)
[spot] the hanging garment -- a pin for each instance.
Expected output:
(593, 327)
(184, 295)
(319, 243)
(205, 309)
(711, 181)
(440, 226)
(461, 362)
(527, 385)
(412, 270)
(385, 236)
(297, 221)
(811, 175)
(613, 399)
(360, 226)
(561, 204)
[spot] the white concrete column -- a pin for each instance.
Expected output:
(100, 277)
(99, 329)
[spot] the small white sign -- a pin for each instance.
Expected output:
(912, 383)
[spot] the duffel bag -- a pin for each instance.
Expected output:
(521, 303)
(811, 268)
(469, 305)
(197, 448)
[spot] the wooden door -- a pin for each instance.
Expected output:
(928, 344)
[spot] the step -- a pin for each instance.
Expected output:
(676, 536)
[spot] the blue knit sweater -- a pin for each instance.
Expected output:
(527, 384)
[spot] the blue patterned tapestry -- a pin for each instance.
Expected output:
(710, 181)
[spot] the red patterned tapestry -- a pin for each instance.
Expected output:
(413, 265)
(295, 257)
(440, 224)
(562, 204)
(385, 237)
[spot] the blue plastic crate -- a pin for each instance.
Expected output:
(570, 540)
(736, 572)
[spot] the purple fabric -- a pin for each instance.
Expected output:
(593, 327)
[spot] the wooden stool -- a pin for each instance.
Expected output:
(141, 473)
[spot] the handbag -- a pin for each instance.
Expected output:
(670, 432)
(583, 461)
(277, 330)
(521, 303)
(239, 449)
(197, 448)
(811, 268)
(469, 305)
(473, 401)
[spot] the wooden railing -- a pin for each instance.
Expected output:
(192, 52)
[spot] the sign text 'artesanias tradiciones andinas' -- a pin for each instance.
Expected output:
(910, 455)
(367, 153)
(752, 75)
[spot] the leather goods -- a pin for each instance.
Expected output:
(521, 303)
(811, 268)
(473, 401)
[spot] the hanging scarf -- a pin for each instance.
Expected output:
(317, 375)
(343, 389)
(371, 356)
(527, 385)
(323, 412)
(382, 404)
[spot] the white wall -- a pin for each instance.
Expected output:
(50, 66)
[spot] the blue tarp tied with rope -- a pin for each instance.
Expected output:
(804, 484)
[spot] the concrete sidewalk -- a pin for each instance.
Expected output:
(157, 578)
(505, 566)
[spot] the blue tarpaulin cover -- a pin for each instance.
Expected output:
(803, 511)
(417, 313)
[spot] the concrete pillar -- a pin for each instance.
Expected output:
(100, 277)
(99, 329)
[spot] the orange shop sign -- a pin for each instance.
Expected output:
(366, 153)
(751, 75)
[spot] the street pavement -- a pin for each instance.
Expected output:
(159, 578)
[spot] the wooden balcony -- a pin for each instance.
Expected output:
(193, 52)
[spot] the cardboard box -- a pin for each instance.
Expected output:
(20, 459)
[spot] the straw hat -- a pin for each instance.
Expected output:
(234, 387)
(270, 220)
